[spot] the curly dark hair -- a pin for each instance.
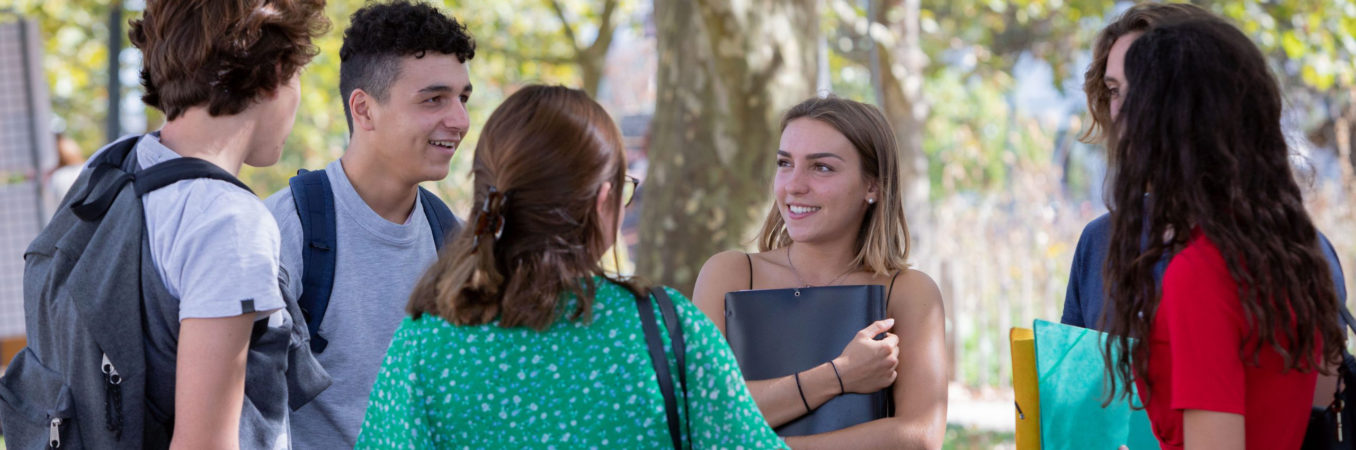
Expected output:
(1201, 127)
(381, 33)
(222, 53)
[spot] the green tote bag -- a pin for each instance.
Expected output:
(1070, 376)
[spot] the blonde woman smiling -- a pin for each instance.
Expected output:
(838, 219)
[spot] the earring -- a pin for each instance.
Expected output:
(871, 201)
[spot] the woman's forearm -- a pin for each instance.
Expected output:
(780, 400)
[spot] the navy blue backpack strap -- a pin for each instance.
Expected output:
(315, 207)
(1335, 265)
(440, 219)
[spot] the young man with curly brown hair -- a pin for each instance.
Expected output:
(225, 73)
(404, 82)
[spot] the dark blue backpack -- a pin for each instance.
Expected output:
(315, 207)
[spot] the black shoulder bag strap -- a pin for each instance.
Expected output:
(659, 359)
(679, 345)
(315, 208)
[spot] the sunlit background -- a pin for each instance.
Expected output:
(985, 96)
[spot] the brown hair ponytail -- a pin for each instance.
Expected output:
(534, 234)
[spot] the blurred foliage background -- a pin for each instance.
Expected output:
(984, 94)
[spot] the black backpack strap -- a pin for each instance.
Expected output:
(116, 162)
(658, 357)
(90, 207)
(315, 207)
(440, 219)
(178, 169)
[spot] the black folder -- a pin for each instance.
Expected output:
(778, 332)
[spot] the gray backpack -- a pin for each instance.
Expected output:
(93, 303)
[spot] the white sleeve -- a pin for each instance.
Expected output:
(224, 260)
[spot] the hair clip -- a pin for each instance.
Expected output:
(491, 219)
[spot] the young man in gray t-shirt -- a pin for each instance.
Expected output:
(405, 84)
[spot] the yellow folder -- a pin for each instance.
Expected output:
(1025, 388)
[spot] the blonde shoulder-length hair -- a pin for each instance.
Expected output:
(882, 245)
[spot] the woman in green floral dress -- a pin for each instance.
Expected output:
(518, 338)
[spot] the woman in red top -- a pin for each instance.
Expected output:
(1227, 354)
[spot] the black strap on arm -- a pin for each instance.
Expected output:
(679, 345)
(315, 207)
(660, 360)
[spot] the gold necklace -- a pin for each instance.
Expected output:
(803, 284)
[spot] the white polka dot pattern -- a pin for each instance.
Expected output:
(575, 385)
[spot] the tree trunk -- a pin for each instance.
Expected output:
(591, 72)
(1346, 158)
(726, 74)
(900, 93)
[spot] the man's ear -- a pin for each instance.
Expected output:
(363, 108)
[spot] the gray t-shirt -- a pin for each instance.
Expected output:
(211, 243)
(376, 266)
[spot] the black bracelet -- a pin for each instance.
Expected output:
(841, 389)
(802, 393)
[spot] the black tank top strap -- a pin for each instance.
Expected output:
(891, 291)
(750, 258)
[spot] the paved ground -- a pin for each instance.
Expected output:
(985, 409)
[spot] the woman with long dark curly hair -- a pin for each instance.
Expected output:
(1226, 354)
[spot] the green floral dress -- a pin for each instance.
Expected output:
(574, 385)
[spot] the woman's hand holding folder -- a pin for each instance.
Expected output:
(868, 364)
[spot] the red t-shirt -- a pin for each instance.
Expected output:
(1194, 358)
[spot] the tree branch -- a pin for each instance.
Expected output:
(514, 53)
(565, 23)
(606, 26)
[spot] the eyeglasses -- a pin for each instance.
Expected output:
(629, 189)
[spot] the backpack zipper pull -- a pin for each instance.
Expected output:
(111, 372)
(54, 438)
(112, 399)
